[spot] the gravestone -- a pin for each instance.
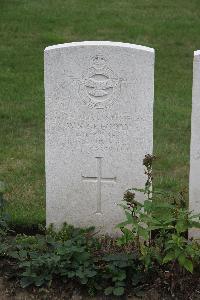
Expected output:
(99, 125)
(194, 187)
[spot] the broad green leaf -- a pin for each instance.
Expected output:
(91, 273)
(26, 281)
(118, 291)
(188, 265)
(108, 290)
(168, 257)
(177, 252)
(181, 259)
(13, 254)
(39, 281)
(120, 277)
(181, 226)
(71, 274)
(143, 232)
(123, 224)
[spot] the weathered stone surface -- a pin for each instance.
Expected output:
(194, 190)
(99, 125)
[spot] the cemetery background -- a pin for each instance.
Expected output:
(172, 28)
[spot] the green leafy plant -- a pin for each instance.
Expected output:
(57, 253)
(72, 254)
(159, 226)
(120, 267)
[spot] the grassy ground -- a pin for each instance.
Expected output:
(172, 27)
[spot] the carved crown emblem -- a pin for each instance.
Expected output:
(99, 87)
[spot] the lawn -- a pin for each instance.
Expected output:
(172, 27)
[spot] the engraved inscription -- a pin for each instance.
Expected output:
(102, 133)
(100, 87)
(99, 179)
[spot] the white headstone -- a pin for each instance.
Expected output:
(194, 189)
(99, 125)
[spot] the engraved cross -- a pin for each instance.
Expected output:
(99, 180)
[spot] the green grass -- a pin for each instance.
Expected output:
(172, 27)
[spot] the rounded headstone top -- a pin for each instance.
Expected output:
(197, 52)
(197, 56)
(100, 43)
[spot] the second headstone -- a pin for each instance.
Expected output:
(194, 187)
